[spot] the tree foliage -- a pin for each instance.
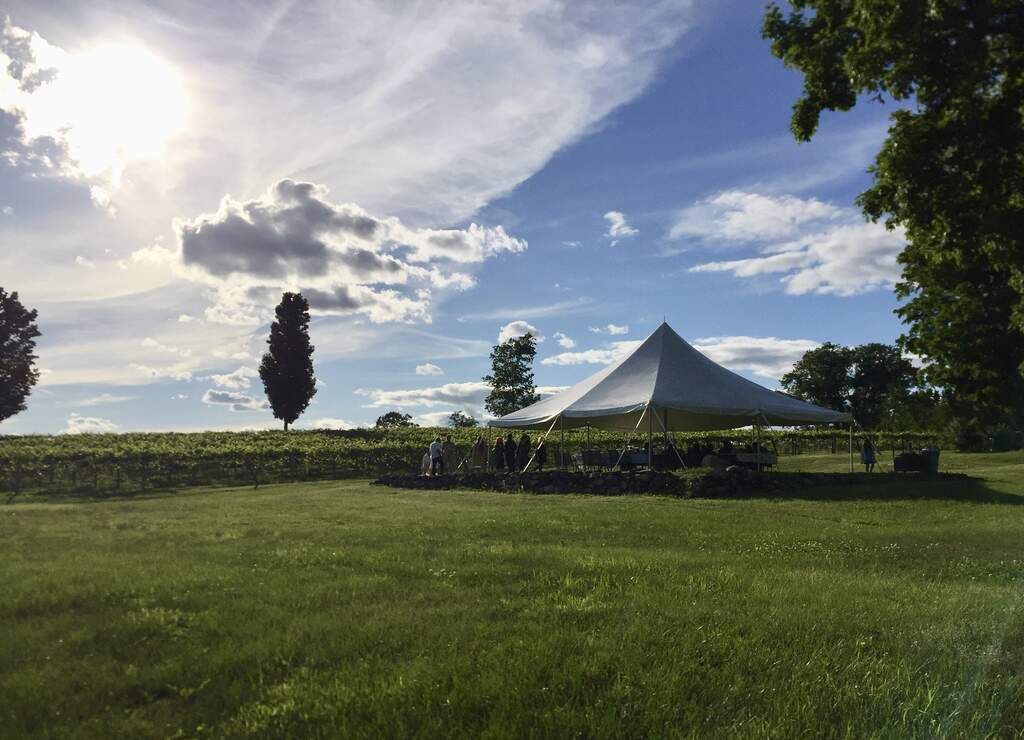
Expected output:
(951, 171)
(511, 377)
(872, 381)
(394, 420)
(287, 366)
(460, 420)
(18, 373)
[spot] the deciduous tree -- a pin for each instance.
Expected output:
(394, 420)
(287, 366)
(950, 171)
(18, 373)
(460, 420)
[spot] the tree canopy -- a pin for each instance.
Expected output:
(872, 381)
(511, 377)
(18, 373)
(394, 420)
(950, 172)
(287, 366)
(460, 420)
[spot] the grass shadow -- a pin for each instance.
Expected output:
(896, 487)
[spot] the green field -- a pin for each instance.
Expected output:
(337, 609)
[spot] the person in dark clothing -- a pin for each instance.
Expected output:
(510, 453)
(542, 454)
(523, 451)
(498, 453)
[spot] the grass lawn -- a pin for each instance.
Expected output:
(343, 610)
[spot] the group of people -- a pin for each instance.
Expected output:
(506, 453)
(441, 457)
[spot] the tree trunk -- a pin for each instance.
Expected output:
(286, 426)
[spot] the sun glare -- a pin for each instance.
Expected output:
(118, 103)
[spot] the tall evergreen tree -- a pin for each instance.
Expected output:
(287, 367)
(511, 377)
(18, 373)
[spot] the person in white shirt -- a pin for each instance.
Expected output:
(435, 456)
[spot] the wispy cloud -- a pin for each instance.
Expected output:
(604, 356)
(618, 227)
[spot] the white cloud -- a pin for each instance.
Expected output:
(428, 369)
(515, 329)
(78, 424)
(85, 262)
(613, 353)
(328, 423)
(735, 216)
(471, 393)
(100, 400)
(846, 260)
(549, 390)
(185, 319)
(337, 254)
(104, 106)
(150, 343)
(240, 379)
(612, 329)
(530, 312)
(174, 372)
(814, 247)
(564, 341)
(769, 357)
(618, 227)
(233, 400)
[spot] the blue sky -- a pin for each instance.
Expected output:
(432, 180)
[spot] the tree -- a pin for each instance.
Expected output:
(821, 377)
(873, 381)
(394, 420)
(287, 368)
(18, 374)
(460, 420)
(880, 382)
(511, 377)
(949, 172)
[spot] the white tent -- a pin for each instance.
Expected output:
(672, 387)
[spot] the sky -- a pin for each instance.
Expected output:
(434, 178)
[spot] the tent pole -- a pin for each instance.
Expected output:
(561, 444)
(650, 437)
(851, 446)
(664, 428)
(623, 453)
(588, 446)
(530, 461)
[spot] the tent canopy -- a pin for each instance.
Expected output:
(682, 390)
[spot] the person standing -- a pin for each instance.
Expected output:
(479, 453)
(436, 458)
(542, 454)
(867, 456)
(523, 452)
(449, 454)
(510, 453)
(498, 453)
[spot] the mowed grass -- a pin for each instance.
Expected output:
(344, 610)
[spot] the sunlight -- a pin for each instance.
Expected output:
(113, 104)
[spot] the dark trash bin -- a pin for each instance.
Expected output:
(930, 461)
